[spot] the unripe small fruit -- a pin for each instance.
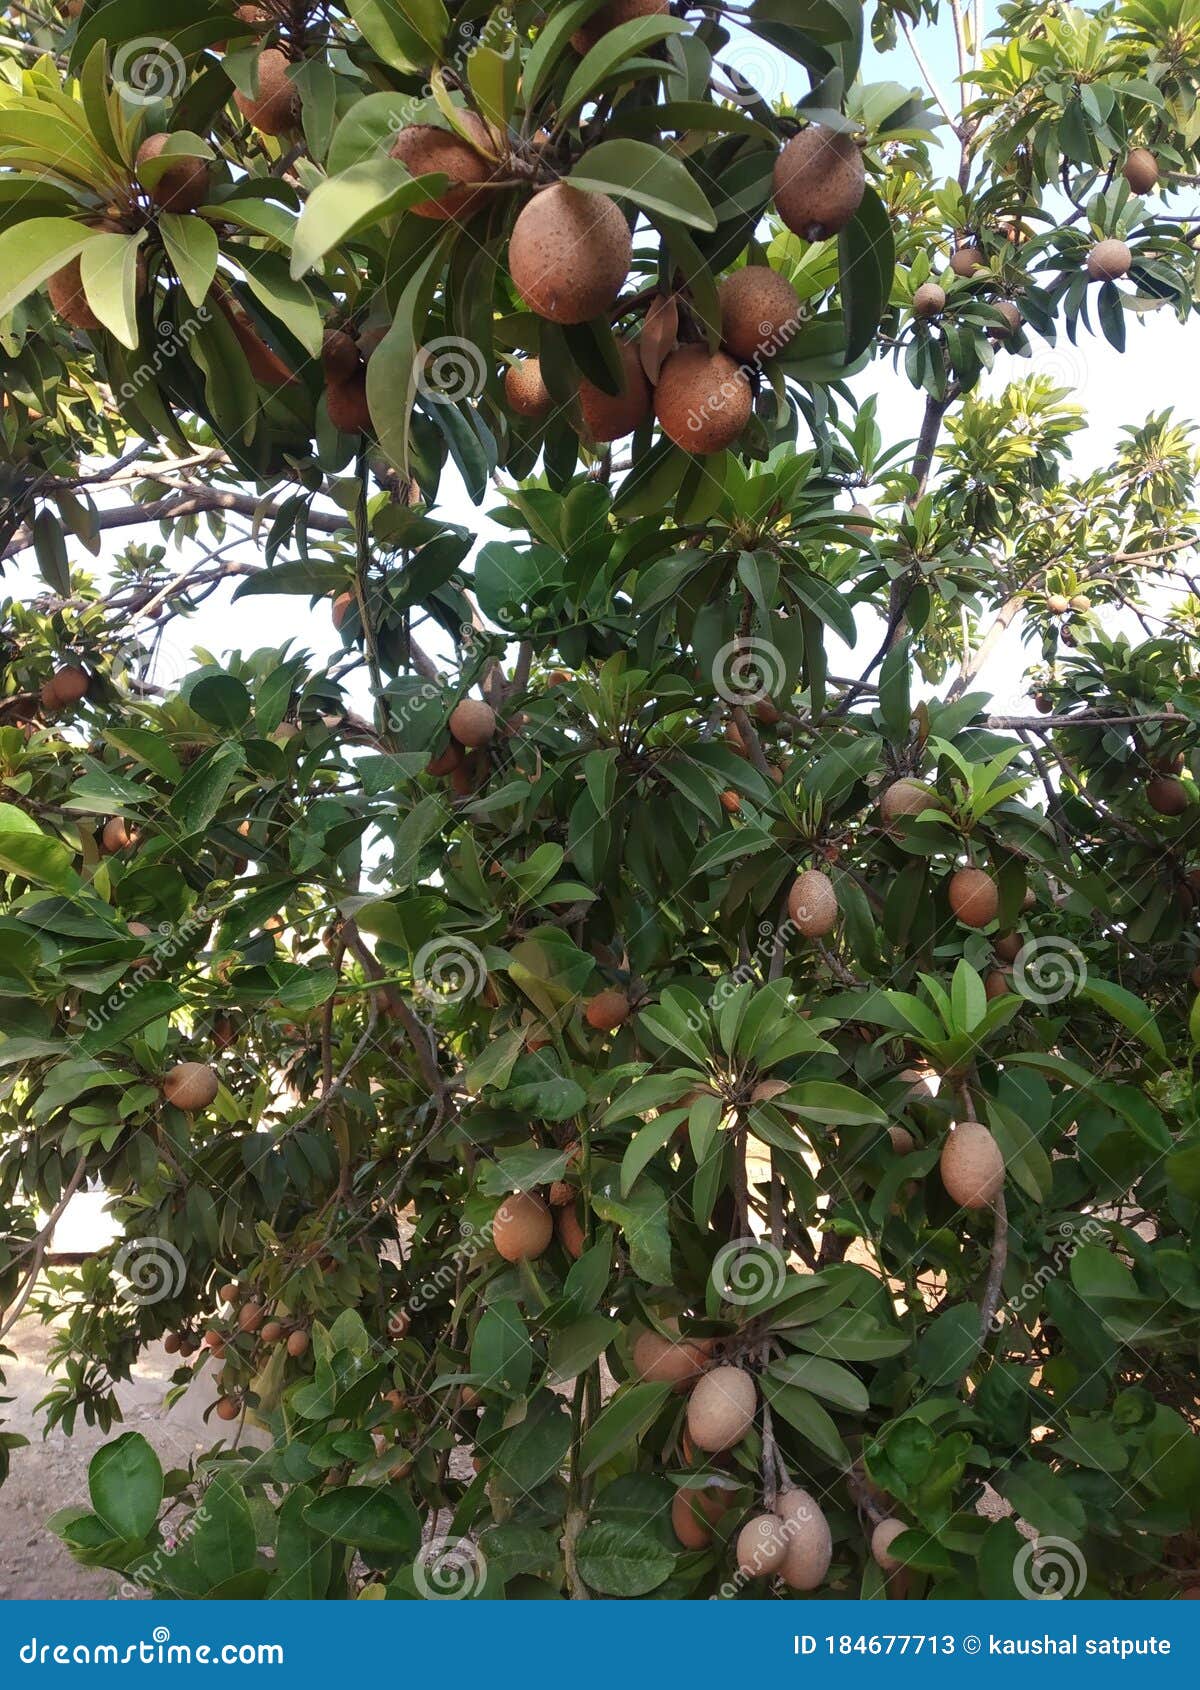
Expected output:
(297, 1343)
(250, 1317)
(229, 1293)
(522, 1227)
(1108, 261)
(720, 1410)
(762, 1546)
(69, 684)
(971, 1166)
(473, 723)
(663, 1361)
(929, 300)
(810, 1542)
(1057, 604)
(995, 984)
(730, 801)
(526, 392)
(272, 1332)
(973, 897)
(445, 762)
(1140, 170)
(117, 835)
(228, 1408)
(903, 1142)
(812, 904)
(191, 1086)
(1080, 603)
(884, 1535)
(172, 1342)
(819, 182)
(1012, 318)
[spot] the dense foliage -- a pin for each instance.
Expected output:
(632, 1070)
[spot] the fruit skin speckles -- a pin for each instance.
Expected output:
(971, 1166)
(820, 180)
(721, 1409)
(522, 1227)
(703, 400)
(569, 254)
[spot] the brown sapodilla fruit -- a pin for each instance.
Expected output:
(446, 761)
(424, 150)
(966, 260)
(228, 1408)
(819, 182)
(663, 1361)
(696, 1508)
(611, 416)
(297, 1343)
(116, 835)
(973, 897)
(1108, 261)
(1012, 318)
(1008, 946)
(608, 17)
(1166, 795)
(720, 1410)
(903, 1142)
(809, 1540)
(340, 357)
(765, 1090)
(69, 684)
(929, 300)
(346, 402)
(343, 604)
(906, 798)
(569, 254)
(569, 1228)
(65, 288)
(473, 723)
(191, 1086)
(995, 984)
(526, 392)
(272, 1332)
(762, 1546)
(812, 904)
(882, 1538)
(522, 1227)
(760, 312)
(607, 1011)
(703, 399)
(275, 109)
(971, 1166)
(183, 186)
(1140, 170)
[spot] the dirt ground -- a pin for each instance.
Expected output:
(52, 1474)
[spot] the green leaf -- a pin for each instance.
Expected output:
(652, 179)
(224, 1542)
(193, 249)
(1126, 1008)
(26, 851)
(1044, 1499)
(345, 205)
(823, 1379)
(614, 47)
(148, 1003)
(867, 261)
(620, 1558)
(125, 1483)
(806, 1415)
(621, 1422)
(108, 269)
(949, 1344)
(384, 1521)
(30, 253)
(575, 1348)
(222, 700)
